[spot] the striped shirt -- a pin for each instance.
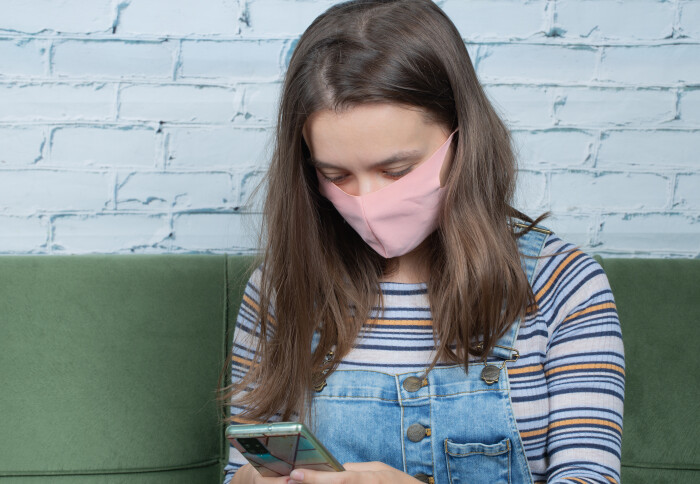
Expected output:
(567, 386)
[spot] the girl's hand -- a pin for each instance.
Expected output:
(355, 473)
(249, 475)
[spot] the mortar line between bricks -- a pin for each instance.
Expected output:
(147, 38)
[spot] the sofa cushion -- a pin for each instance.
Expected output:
(659, 309)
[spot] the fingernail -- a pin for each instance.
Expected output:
(297, 475)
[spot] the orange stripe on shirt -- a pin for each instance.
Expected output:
(597, 307)
(534, 433)
(544, 430)
(586, 366)
(243, 361)
(556, 273)
(525, 369)
(255, 306)
(580, 421)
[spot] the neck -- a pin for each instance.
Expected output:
(408, 268)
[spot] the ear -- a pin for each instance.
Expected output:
(447, 165)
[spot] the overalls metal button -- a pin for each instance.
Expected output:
(424, 478)
(490, 374)
(416, 432)
(413, 383)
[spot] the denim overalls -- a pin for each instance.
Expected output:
(450, 427)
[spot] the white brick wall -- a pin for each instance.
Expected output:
(142, 125)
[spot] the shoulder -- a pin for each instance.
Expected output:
(567, 279)
(250, 303)
(253, 287)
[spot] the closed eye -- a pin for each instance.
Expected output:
(390, 174)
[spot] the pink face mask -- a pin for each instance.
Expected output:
(395, 219)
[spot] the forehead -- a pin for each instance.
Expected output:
(365, 131)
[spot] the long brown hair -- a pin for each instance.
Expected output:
(316, 271)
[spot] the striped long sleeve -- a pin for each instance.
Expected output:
(584, 370)
(567, 386)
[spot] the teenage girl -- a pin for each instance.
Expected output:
(424, 328)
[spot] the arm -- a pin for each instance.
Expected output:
(585, 373)
(245, 340)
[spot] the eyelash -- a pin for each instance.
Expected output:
(397, 174)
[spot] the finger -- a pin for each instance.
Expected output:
(307, 476)
(259, 479)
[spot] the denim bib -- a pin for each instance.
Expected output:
(447, 427)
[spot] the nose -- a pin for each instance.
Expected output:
(368, 183)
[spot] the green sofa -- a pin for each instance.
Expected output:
(109, 366)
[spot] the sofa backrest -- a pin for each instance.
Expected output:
(109, 366)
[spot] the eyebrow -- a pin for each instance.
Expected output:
(400, 156)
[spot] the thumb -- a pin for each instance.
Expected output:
(307, 476)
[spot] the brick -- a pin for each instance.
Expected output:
(580, 229)
(690, 106)
(19, 234)
(537, 63)
(238, 59)
(160, 191)
(248, 182)
(22, 57)
(96, 146)
(28, 191)
(558, 147)
(654, 232)
(486, 19)
(595, 106)
(179, 17)
(281, 17)
(261, 101)
(575, 191)
(80, 16)
(177, 103)
(649, 148)
(20, 146)
(651, 65)
(49, 101)
(231, 232)
(531, 106)
(90, 58)
(111, 233)
(531, 191)
(688, 192)
(690, 19)
(610, 19)
(218, 147)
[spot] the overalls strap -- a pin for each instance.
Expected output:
(530, 245)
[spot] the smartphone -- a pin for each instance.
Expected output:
(277, 448)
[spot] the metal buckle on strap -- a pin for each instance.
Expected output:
(491, 373)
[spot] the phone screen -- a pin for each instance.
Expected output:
(278, 455)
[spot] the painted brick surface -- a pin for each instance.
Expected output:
(22, 57)
(143, 126)
(113, 59)
(21, 145)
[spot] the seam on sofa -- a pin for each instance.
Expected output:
(223, 449)
(679, 467)
(141, 470)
